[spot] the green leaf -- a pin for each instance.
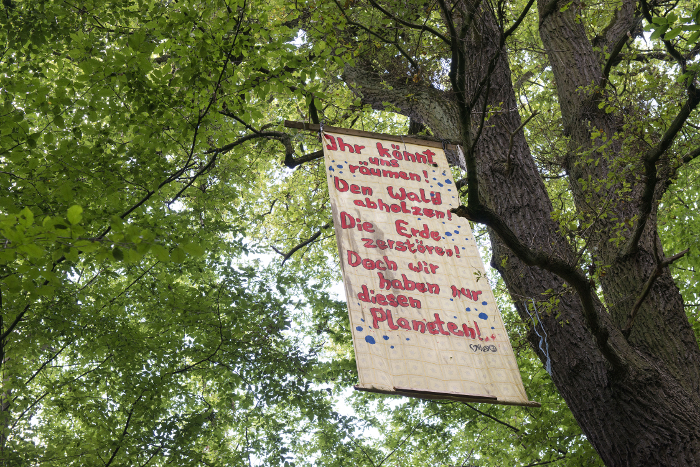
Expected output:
(694, 38)
(178, 255)
(75, 214)
(116, 223)
(673, 33)
(46, 290)
(13, 283)
(32, 250)
(118, 254)
(193, 249)
(160, 253)
(26, 217)
(87, 246)
(658, 32)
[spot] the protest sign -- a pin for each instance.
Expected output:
(423, 316)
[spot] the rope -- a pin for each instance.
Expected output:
(548, 363)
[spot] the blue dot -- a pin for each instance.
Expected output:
(386, 338)
(449, 189)
(359, 328)
(462, 248)
(434, 177)
(455, 317)
(457, 232)
(331, 169)
(370, 340)
(483, 316)
(340, 172)
(440, 185)
(468, 309)
(392, 346)
(362, 319)
(452, 299)
(408, 339)
(449, 234)
(492, 327)
(484, 303)
(419, 218)
(339, 166)
(449, 182)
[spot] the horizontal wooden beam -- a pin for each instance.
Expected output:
(434, 395)
(313, 127)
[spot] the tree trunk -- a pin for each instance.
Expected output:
(646, 412)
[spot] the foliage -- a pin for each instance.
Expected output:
(146, 317)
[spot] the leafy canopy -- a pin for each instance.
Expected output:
(146, 316)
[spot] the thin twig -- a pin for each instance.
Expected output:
(512, 136)
(660, 265)
(492, 417)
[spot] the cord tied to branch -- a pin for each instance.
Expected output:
(543, 338)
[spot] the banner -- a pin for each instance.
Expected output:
(423, 317)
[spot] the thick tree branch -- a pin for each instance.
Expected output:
(517, 22)
(671, 49)
(548, 9)
(126, 428)
(413, 63)
(622, 21)
(14, 324)
(308, 241)
(650, 160)
(691, 155)
(419, 27)
(478, 212)
(292, 162)
(653, 155)
(492, 62)
(569, 273)
(47, 362)
(283, 138)
(615, 52)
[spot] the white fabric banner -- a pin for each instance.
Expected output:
(423, 316)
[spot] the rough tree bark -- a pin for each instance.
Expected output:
(635, 394)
